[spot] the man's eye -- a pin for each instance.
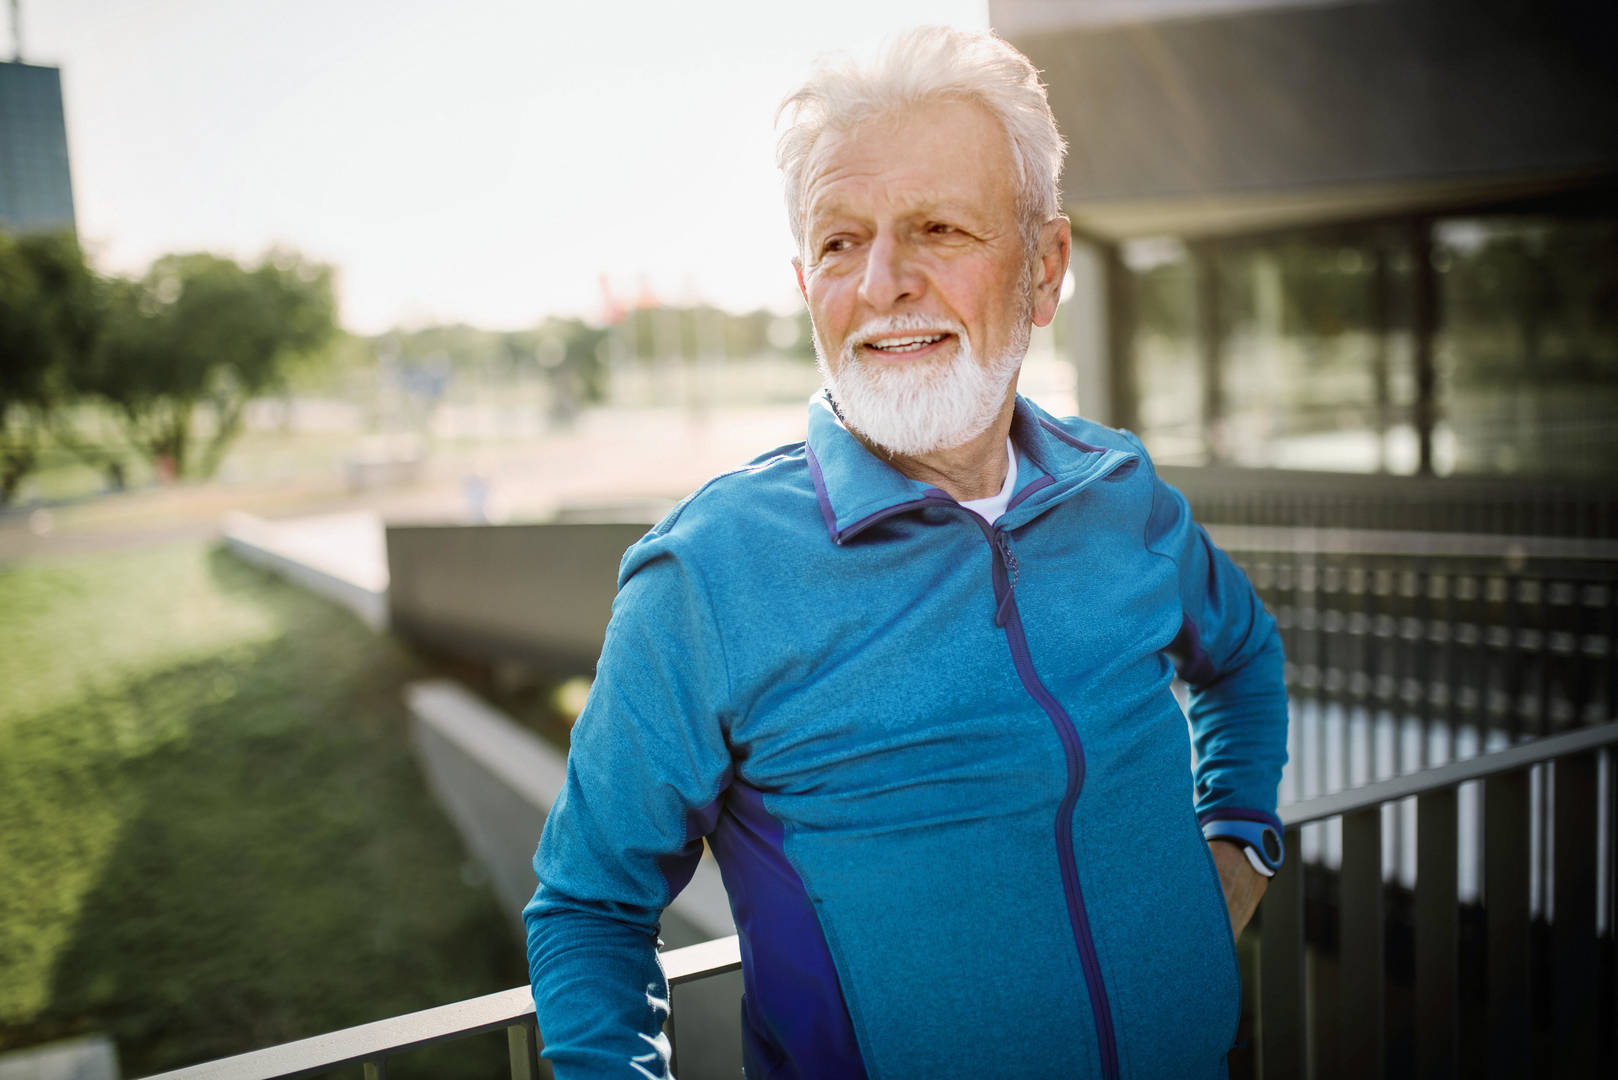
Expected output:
(834, 245)
(938, 228)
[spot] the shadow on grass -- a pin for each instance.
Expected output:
(280, 869)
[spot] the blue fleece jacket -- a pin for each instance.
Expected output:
(938, 762)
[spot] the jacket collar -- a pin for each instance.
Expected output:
(855, 488)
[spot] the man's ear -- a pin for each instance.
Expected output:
(1050, 267)
(797, 268)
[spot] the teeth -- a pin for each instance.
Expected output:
(906, 344)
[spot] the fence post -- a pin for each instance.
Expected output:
(1505, 903)
(1360, 946)
(1575, 985)
(1280, 981)
(522, 1044)
(1437, 949)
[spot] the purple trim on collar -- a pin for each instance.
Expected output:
(827, 515)
(932, 497)
(1038, 485)
(1077, 444)
(1230, 813)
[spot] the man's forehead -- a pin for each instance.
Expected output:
(940, 156)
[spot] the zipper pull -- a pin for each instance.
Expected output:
(1002, 543)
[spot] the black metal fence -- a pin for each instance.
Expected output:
(366, 1050)
(1353, 974)
(1359, 976)
(1442, 634)
(1482, 505)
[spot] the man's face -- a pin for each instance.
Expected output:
(915, 272)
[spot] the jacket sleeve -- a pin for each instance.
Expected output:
(1228, 651)
(646, 767)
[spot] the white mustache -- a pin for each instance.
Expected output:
(892, 325)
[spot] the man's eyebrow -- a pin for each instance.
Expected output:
(952, 208)
(821, 210)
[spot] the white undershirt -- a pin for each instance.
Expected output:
(990, 508)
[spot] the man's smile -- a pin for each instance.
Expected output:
(906, 345)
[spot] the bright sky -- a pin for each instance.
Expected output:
(484, 161)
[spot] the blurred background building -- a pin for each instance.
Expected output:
(1367, 235)
(36, 186)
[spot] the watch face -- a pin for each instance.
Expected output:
(1272, 846)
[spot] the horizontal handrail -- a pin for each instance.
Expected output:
(380, 1038)
(1378, 792)
(1334, 541)
(703, 959)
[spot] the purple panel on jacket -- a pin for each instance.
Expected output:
(1190, 661)
(679, 866)
(794, 1020)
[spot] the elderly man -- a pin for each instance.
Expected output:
(910, 679)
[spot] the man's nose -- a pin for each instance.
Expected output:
(890, 275)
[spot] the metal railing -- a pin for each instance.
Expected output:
(1408, 649)
(372, 1045)
(1359, 977)
(1490, 505)
(1499, 633)
(1354, 977)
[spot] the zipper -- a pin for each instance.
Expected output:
(1005, 572)
(1008, 562)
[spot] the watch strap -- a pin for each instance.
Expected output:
(1259, 839)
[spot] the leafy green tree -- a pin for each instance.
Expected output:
(580, 355)
(202, 331)
(50, 323)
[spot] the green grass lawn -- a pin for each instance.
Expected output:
(213, 835)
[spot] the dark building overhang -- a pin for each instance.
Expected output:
(1283, 115)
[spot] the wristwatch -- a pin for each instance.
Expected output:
(1260, 841)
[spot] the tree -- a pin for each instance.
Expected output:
(50, 324)
(202, 331)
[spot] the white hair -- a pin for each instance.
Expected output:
(930, 63)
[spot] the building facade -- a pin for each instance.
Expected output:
(36, 186)
(1364, 235)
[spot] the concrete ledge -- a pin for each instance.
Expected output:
(338, 556)
(540, 593)
(497, 782)
(91, 1057)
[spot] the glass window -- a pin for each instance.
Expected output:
(1168, 378)
(1316, 357)
(1527, 355)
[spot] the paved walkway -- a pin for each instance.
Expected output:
(608, 458)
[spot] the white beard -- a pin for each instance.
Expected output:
(916, 408)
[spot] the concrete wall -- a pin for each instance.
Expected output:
(326, 555)
(497, 782)
(540, 594)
